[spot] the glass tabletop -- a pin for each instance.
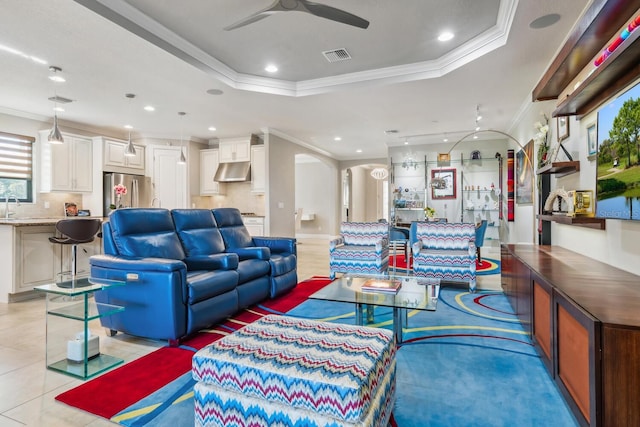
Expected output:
(414, 293)
(78, 286)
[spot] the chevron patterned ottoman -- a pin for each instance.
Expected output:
(282, 371)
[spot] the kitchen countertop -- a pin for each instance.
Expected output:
(25, 222)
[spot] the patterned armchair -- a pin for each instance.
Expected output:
(362, 248)
(445, 251)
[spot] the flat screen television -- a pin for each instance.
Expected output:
(618, 139)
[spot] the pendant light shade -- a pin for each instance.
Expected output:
(55, 137)
(183, 159)
(130, 150)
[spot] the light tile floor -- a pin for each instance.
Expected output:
(28, 389)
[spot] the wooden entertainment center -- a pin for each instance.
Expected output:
(584, 318)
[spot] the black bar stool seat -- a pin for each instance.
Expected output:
(75, 232)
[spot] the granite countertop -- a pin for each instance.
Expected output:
(22, 222)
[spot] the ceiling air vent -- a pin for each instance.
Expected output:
(60, 99)
(336, 55)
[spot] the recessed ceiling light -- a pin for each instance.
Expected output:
(128, 127)
(445, 140)
(337, 138)
(215, 92)
(149, 108)
(477, 128)
(406, 143)
(475, 136)
(59, 109)
(478, 118)
(358, 151)
(271, 68)
(212, 128)
(445, 36)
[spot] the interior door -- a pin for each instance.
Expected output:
(169, 178)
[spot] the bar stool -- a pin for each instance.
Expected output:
(75, 232)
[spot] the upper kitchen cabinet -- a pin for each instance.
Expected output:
(116, 161)
(258, 169)
(236, 149)
(66, 167)
(209, 160)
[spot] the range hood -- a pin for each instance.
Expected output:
(233, 172)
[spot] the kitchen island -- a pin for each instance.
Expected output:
(29, 259)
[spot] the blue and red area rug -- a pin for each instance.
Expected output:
(468, 363)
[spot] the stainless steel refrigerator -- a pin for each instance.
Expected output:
(139, 191)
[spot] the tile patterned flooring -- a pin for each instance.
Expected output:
(27, 388)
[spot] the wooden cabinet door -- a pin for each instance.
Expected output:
(258, 169)
(542, 321)
(61, 166)
(577, 349)
(38, 259)
(82, 160)
(169, 178)
(114, 153)
(208, 166)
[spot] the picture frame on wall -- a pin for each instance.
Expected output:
(443, 184)
(524, 174)
(592, 140)
(562, 124)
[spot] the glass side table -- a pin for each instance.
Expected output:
(70, 347)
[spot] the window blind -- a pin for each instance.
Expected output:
(16, 156)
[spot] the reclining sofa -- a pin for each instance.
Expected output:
(186, 269)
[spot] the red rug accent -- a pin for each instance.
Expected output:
(399, 261)
(482, 265)
(114, 391)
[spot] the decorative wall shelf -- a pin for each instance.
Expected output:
(559, 168)
(581, 221)
(599, 24)
(621, 68)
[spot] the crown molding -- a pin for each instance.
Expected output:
(133, 20)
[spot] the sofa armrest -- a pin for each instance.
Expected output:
(277, 244)
(253, 252)
(415, 248)
(225, 261)
(472, 248)
(335, 243)
(136, 263)
(381, 245)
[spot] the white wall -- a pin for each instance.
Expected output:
(313, 196)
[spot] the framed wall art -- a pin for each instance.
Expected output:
(524, 174)
(443, 184)
(563, 128)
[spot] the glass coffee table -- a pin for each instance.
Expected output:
(416, 293)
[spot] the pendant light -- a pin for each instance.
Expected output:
(55, 136)
(130, 150)
(182, 160)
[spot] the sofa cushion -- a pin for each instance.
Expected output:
(252, 269)
(198, 231)
(281, 264)
(234, 233)
(445, 235)
(363, 233)
(203, 285)
(148, 233)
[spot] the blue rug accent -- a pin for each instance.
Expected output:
(469, 363)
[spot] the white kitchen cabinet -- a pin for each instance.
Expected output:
(37, 259)
(68, 166)
(209, 161)
(116, 161)
(258, 169)
(254, 225)
(236, 149)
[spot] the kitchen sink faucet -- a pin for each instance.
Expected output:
(8, 197)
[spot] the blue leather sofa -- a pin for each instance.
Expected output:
(182, 273)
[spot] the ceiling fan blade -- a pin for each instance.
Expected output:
(264, 13)
(334, 14)
(248, 20)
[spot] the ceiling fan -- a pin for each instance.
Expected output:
(316, 9)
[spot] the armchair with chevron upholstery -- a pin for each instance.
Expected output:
(361, 248)
(445, 251)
